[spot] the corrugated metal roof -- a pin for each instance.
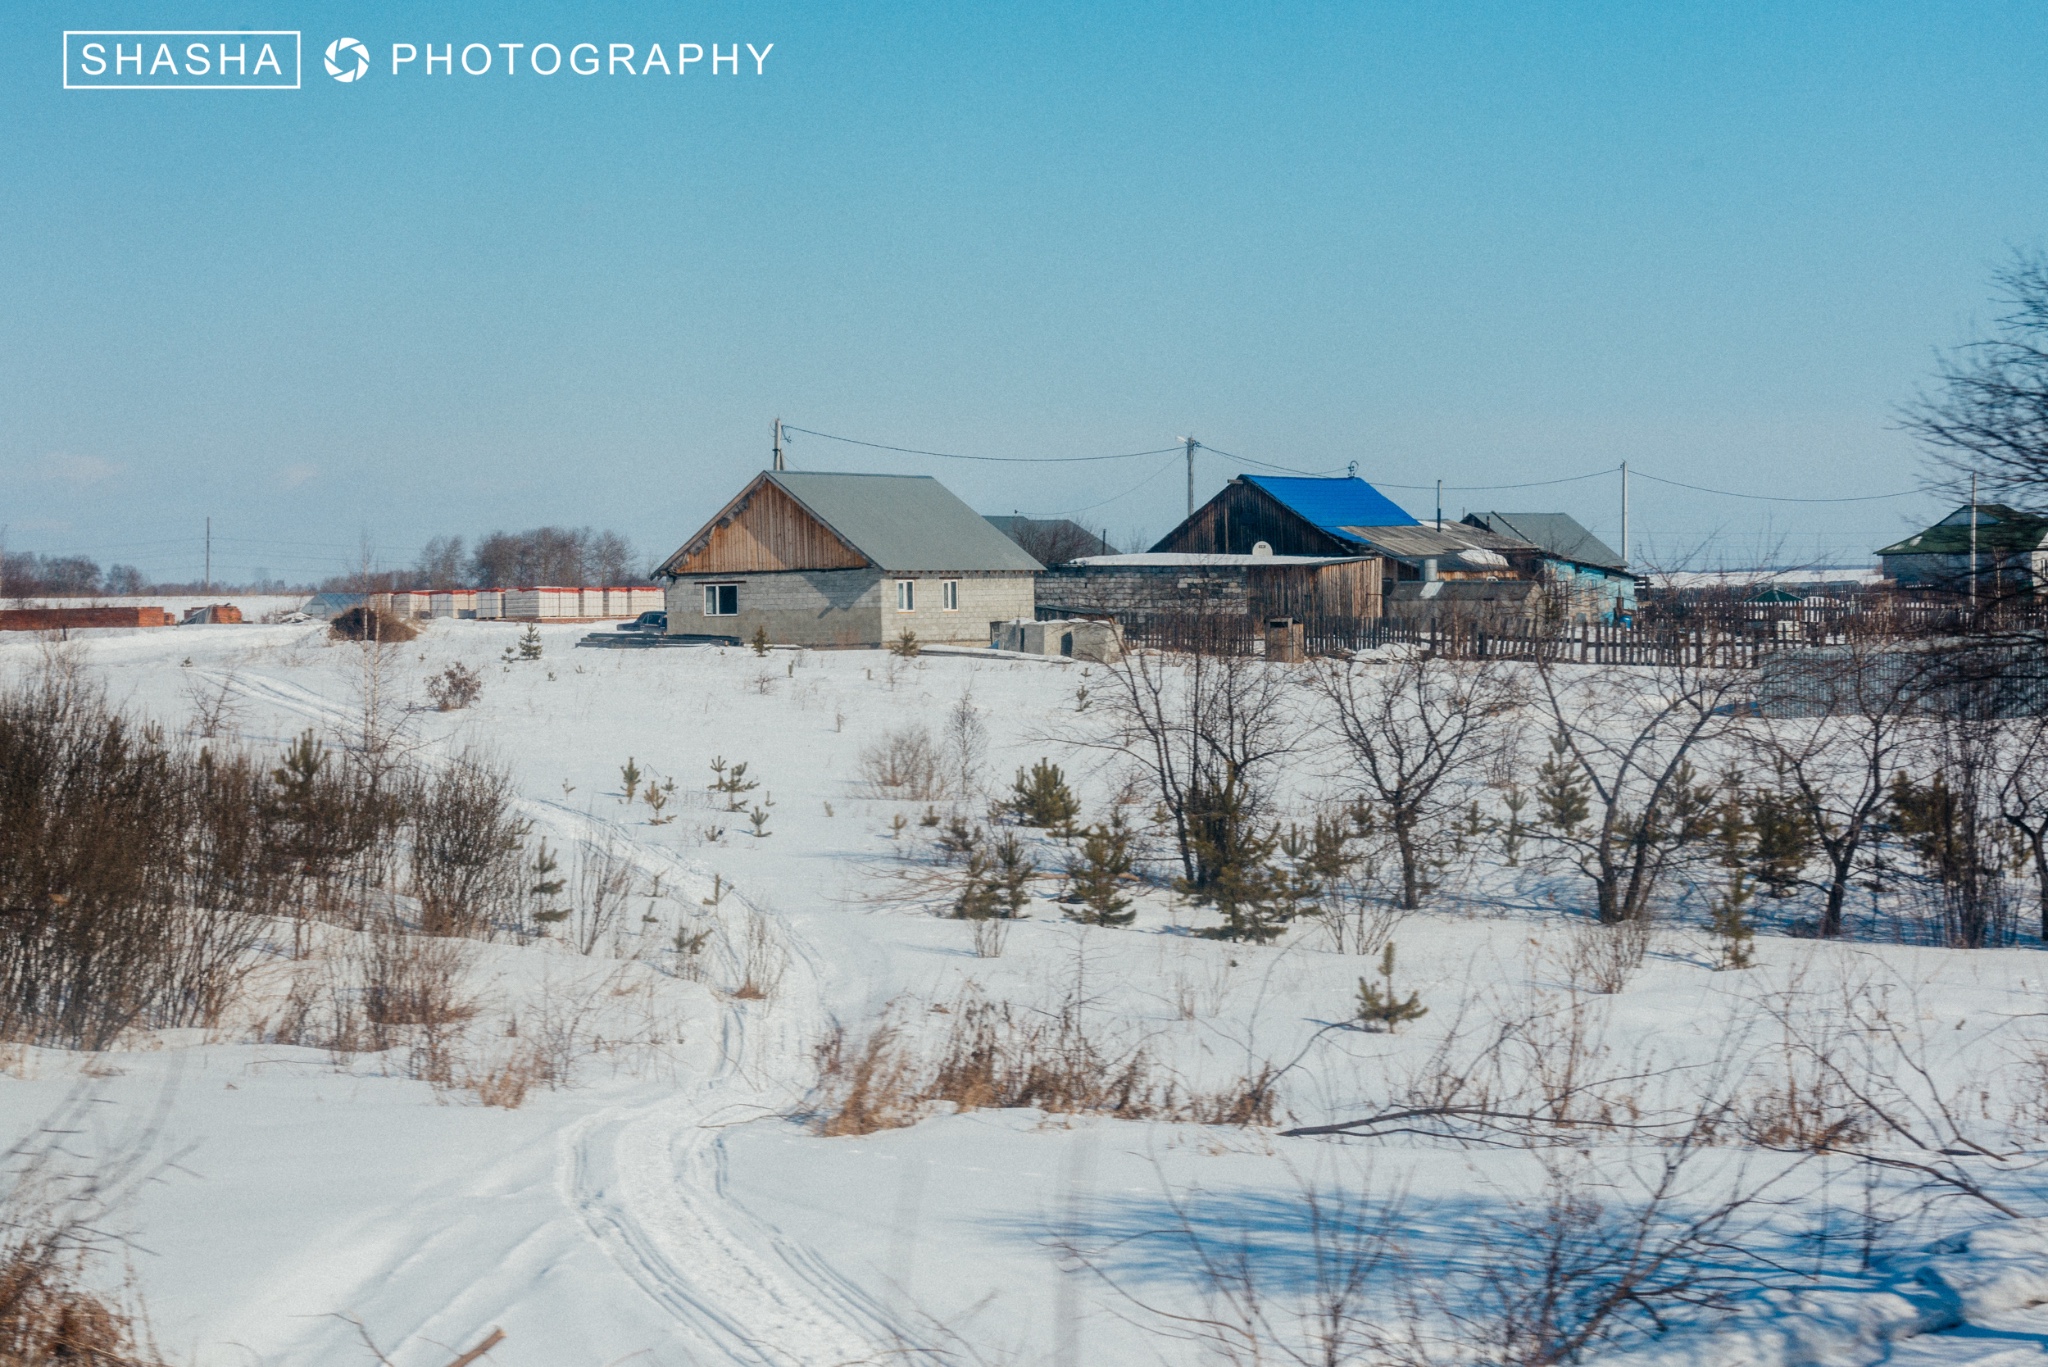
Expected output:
(1559, 535)
(905, 523)
(1146, 559)
(1999, 528)
(1420, 541)
(1333, 504)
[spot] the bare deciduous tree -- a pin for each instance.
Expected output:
(1839, 721)
(1207, 730)
(1624, 738)
(1989, 417)
(1412, 730)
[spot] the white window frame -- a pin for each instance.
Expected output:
(949, 595)
(711, 596)
(906, 595)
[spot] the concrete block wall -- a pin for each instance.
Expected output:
(797, 607)
(983, 599)
(1144, 589)
(850, 607)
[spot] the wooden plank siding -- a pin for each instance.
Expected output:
(762, 531)
(1243, 515)
(1347, 589)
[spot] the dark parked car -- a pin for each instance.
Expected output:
(654, 622)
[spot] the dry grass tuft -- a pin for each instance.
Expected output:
(995, 1056)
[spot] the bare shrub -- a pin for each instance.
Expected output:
(990, 933)
(966, 748)
(455, 688)
(1602, 958)
(1356, 916)
(994, 1055)
(467, 847)
(54, 1230)
(603, 886)
(216, 709)
(410, 990)
(506, 1082)
(763, 960)
(133, 877)
(906, 764)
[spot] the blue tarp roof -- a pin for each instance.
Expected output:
(1334, 504)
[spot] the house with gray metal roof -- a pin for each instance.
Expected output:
(822, 559)
(1593, 580)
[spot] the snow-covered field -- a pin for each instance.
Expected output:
(676, 1202)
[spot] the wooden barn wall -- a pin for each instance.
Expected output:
(1351, 589)
(1242, 515)
(1314, 591)
(767, 531)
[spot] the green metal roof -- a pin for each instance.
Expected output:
(1999, 529)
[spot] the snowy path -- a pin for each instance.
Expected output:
(649, 1184)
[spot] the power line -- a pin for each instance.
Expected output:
(1267, 464)
(1482, 488)
(1125, 494)
(1778, 498)
(955, 455)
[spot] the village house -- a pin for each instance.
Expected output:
(1591, 581)
(847, 560)
(2011, 552)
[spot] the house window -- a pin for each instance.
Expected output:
(949, 595)
(906, 595)
(721, 600)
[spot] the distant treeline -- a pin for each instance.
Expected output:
(24, 574)
(544, 555)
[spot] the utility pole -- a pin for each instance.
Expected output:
(1624, 514)
(1439, 505)
(1192, 444)
(778, 443)
(1973, 543)
(209, 555)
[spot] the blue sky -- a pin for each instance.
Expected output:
(1488, 244)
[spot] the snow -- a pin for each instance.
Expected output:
(672, 1204)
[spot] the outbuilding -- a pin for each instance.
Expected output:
(823, 559)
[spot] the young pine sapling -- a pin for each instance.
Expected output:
(1380, 1007)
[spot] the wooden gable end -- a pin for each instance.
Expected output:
(761, 531)
(1243, 515)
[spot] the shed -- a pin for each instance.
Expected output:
(1155, 583)
(829, 559)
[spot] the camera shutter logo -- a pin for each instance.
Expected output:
(347, 60)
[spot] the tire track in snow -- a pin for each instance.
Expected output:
(649, 1184)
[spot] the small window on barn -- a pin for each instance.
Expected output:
(949, 595)
(721, 600)
(906, 595)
